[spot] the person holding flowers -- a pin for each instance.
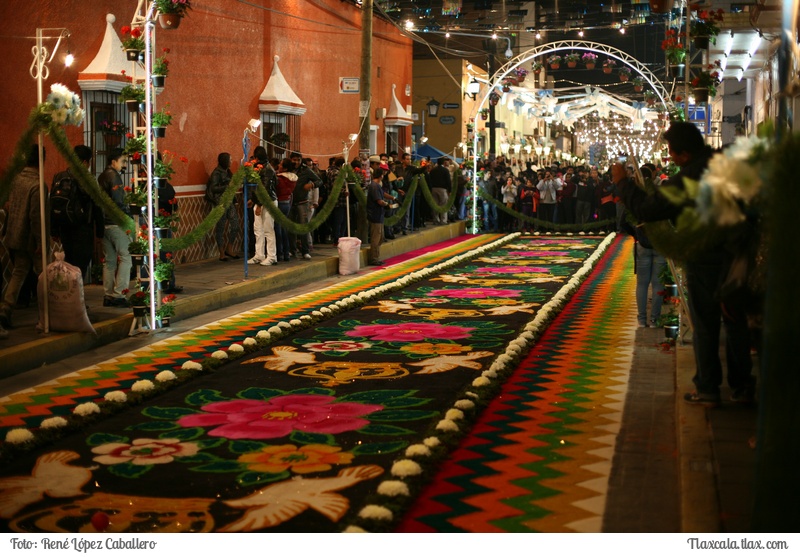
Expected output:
(706, 270)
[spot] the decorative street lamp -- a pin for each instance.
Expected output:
(433, 107)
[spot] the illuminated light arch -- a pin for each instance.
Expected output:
(550, 48)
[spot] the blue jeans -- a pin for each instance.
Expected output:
(649, 264)
(281, 234)
(703, 280)
(489, 216)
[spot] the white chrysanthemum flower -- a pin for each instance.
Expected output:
(325, 310)
(417, 450)
(305, 319)
(404, 468)
(480, 382)
(262, 335)
(464, 404)
(19, 435)
(275, 330)
(446, 425)
(190, 365)
(471, 394)
(376, 512)
(454, 414)
(219, 355)
(237, 348)
(86, 409)
(393, 488)
(250, 341)
(284, 325)
(317, 313)
(165, 376)
(489, 373)
(296, 323)
(115, 396)
(142, 386)
(53, 423)
(432, 442)
(354, 530)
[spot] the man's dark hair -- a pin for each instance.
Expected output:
(115, 153)
(441, 161)
(83, 153)
(33, 156)
(288, 165)
(224, 160)
(295, 155)
(261, 154)
(377, 173)
(685, 137)
(339, 162)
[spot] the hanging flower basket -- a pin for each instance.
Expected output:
(607, 69)
(159, 182)
(676, 71)
(133, 105)
(164, 321)
(506, 88)
(671, 331)
(159, 131)
(169, 21)
(701, 95)
(158, 80)
(132, 55)
(112, 140)
(137, 258)
(590, 65)
(701, 42)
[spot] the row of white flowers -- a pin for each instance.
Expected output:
(407, 467)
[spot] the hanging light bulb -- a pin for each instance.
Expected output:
(69, 59)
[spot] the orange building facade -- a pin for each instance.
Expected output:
(221, 59)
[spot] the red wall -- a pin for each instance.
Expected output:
(221, 58)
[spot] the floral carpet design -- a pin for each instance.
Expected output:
(326, 427)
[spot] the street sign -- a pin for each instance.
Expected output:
(349, 85)
(450, 105)
(447, 120)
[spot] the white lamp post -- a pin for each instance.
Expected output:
(40, 72)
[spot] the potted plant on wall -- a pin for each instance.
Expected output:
(554, 60)
(160, 121)
(624, 73)
(171, 12)
(673, 47)
(704, 27)
(705, 83)
(135, 146)
(572, 59)
(137, 248)
(494, 98)
(484, 112)
(132, 42)
(537, 67)
(166, 310)
(609, 65)
(590, 60)
(638, 84)
(139, 300)
(160, 69)
(132, 94)
(164, 269)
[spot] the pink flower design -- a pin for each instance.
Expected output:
(337, 346)
(538, 253)
(476, 293)
(410, 332)
(279, 416)
(143, 452)
(513, 270)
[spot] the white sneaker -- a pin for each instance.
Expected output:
(267, 262)
(307, 256)
(254, 260)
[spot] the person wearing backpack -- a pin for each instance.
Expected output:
(75, 220)
(217, 184)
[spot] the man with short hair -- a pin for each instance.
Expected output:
(77, 237)
(375, 210)
(307, 179)
(441, 184)
(117, 266)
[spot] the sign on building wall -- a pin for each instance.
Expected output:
(349, 84)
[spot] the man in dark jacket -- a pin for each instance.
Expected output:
(704, 274)
(215, 187)
(441, 184)
(307, 179)
(117, 266)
